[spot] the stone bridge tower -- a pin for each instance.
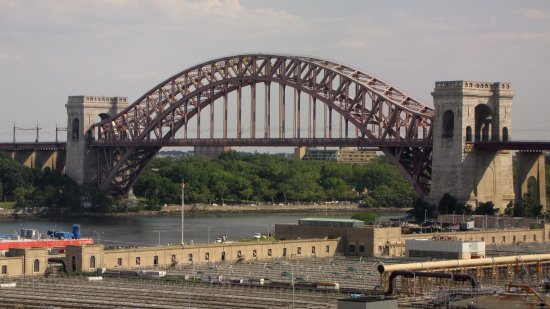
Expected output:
(83, 112)
(468, 111)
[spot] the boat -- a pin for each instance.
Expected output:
(32, 238)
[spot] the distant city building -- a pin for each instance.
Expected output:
(354, 156)
(342, 155)
(212, 152)
(175, 154)
(320, 155)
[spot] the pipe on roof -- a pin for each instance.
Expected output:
(412, 274)
(464, 263)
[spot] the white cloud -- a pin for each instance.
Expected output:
(532, 13)
(4, 56)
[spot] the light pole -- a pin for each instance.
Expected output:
(425, 216)
(97, 233)
(182, 207)
(292, 282)
(159, 236)
(453, 217)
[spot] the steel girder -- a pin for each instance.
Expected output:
(378, 109)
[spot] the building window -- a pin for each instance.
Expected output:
(119, 261)
(535, 237)
(351, 248)
(155, 260)
(503, 238)
(4, 269)
(138, 260)
(254, 253)
(173, 258)
(223, 255)
(468, 134)
(514, 238)
(73, 262)
(190, 258)
(284, 251)
(239, 254)
(299, 251)
(448, 124)
(36, 265)
(269, 253)
(207, 256)
(505, 134)
(313, 249)
(92, 261)
(327, 249)
(493, 239)
(482, 238)
(524, 237)
(76, 129)
(361, 248)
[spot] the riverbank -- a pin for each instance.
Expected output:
(170, 210)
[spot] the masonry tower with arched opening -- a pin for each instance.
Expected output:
(468, 111)
(82, 113)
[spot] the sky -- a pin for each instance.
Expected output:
(50, 50)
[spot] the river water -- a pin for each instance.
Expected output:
(152, 230)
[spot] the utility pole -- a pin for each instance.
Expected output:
(182, 207)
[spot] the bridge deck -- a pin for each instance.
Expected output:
(273, 142)
(50, 146)
(513, 145)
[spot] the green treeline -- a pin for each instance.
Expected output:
(237, 178)
(35, 188)
(249, 178)
(232, 178)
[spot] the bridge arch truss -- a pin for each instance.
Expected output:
(381, 115)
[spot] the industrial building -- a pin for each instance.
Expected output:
(371, 240)
(33, 261)
(88, 258)
(444, 248)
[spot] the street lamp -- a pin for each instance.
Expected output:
(292, 281)
(97, 233)
(159, 236)
(425, 216)
(453, 217)
(182, 207)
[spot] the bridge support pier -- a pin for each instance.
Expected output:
(468, 111)
(531, 173)
(82, 113)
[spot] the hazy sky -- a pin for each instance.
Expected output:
(53, 49)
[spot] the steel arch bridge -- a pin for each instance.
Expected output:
(170, 115)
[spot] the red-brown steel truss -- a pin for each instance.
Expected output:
(382, 115)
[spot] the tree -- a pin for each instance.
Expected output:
(525, 206)
(447, 204)
(422, 210)
(486, 208)
(21, 194)
(450, 205)
(368, 217)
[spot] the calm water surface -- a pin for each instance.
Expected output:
(145, 230)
